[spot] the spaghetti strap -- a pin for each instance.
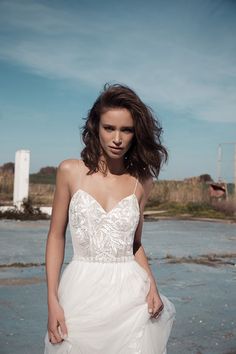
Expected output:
(80, 174)
(135, 186)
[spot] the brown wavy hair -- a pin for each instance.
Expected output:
(146, 153)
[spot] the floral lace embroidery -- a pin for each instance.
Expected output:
(102, 236)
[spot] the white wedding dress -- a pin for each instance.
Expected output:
(103, 289)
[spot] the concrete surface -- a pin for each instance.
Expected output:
(204, 296)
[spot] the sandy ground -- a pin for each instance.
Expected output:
(203, 293)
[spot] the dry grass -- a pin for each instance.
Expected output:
(190, 196)
(6, 189)
(179, 192)
(228, 207)
(41, 194)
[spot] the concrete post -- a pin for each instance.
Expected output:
(21, 177)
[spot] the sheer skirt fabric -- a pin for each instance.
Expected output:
(106, 311)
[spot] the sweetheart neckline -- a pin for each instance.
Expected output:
(101, 207)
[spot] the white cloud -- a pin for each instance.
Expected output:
(165, 66)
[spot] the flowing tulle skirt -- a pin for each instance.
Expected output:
(106, 311)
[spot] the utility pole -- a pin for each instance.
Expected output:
(219, 163)
(235, 171)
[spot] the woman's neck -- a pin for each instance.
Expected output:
(111, 166)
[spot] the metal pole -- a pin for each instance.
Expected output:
(235, 171)
(219, 163)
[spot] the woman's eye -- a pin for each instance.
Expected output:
(108, 128)
(130, 130)
(126, 130)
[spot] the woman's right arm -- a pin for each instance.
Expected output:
(55, 249)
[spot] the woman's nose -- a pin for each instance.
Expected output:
(117, 138)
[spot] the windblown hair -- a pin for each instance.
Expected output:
(146, 153)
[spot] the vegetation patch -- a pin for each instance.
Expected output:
(46, 175)
(194, 209)
(27, 212)
(212, 260)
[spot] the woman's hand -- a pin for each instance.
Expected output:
(56, 318)
(155, 304)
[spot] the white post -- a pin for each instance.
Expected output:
(21, 177)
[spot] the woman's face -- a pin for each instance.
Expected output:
(116, 131)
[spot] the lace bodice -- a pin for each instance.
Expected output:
(99, 235)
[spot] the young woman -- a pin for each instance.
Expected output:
(107, 300)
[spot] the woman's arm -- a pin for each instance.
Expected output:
(55, 248)
(155, 304)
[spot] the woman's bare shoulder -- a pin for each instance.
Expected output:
(69, 165)
(68, 171)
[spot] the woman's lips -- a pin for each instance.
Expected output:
(115, 148)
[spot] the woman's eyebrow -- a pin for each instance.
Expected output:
(113, 126)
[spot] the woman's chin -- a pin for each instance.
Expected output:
(114, 156)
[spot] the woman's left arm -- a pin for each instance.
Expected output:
(155, 304)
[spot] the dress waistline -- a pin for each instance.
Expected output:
(77, 257)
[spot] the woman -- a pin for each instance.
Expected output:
(107, 301)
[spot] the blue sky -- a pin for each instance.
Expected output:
(179, 56)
